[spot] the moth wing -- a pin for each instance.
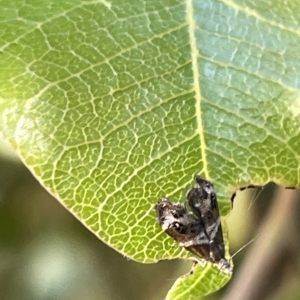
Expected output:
(202, 200)
(183, 227)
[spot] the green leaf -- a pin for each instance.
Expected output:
(201, 282)
(113, 104)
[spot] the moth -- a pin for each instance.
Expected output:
(196, 226)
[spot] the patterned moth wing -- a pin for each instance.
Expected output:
(202, 200)
(177, 222)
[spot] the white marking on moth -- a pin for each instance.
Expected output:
(167, 222)
(213, 229)
(198, 240)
